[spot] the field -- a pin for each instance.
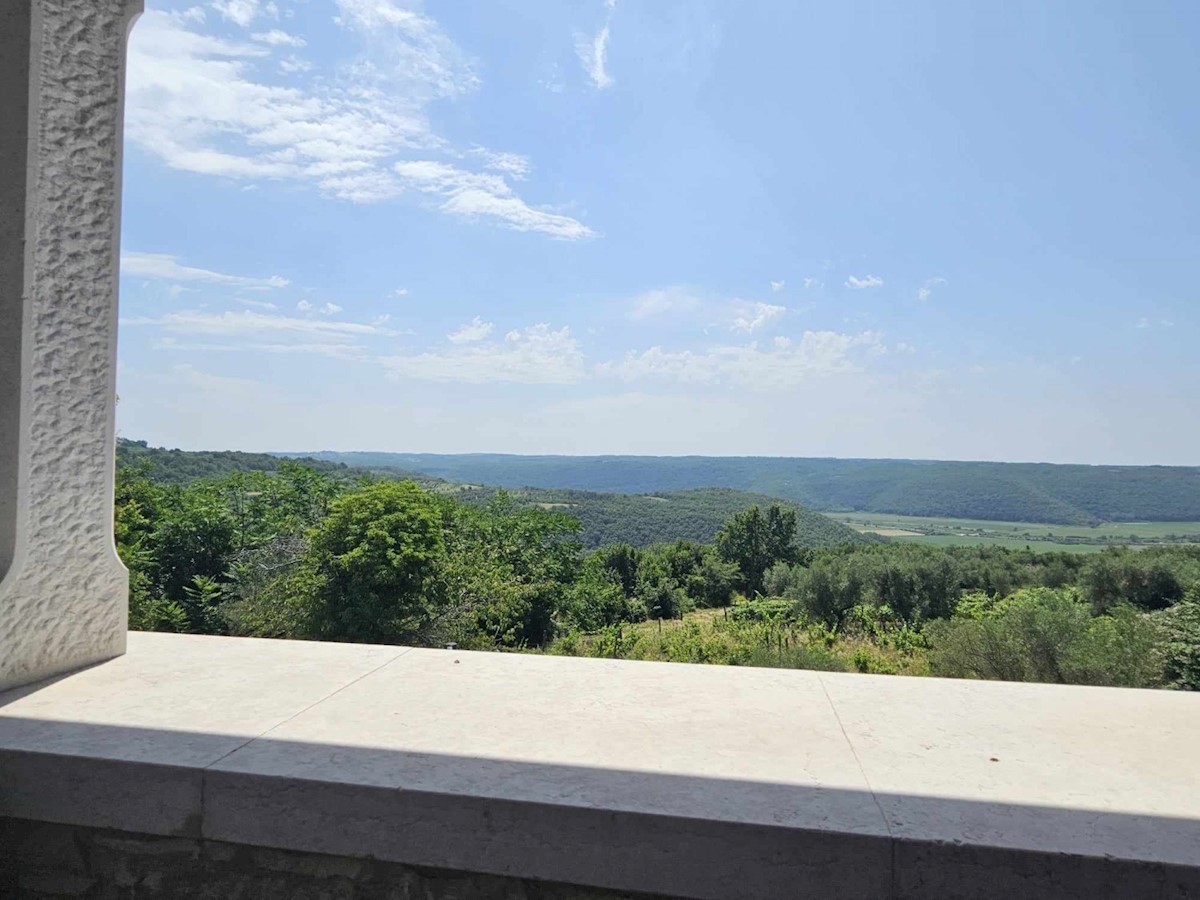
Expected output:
(945, 532)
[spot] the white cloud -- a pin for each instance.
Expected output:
(249, 330)
(593, 55)
(475, 195)
(305, 306)
(330, 309)
(166, 266)
(785, 364)
(257, 304)
(777, 286)
(1145, 322)
(400, 292)
(868, 281)
(925, 291)
(293, 64)
(811, 283)
(475, 330)
(240, 12)
(535, 355)
(277, 38)
(675, 300)
(206, 104)
(755, 317)
(513, 165)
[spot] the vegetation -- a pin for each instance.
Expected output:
(183, 466)
(1011, 492)
(646, 519)
(946, 532)
(336, 555)
(640, 520)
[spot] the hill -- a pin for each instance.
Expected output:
(1021, 492)
(182, 466)
(696, 515)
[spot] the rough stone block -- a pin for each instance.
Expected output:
(63, 591)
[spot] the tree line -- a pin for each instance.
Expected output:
(301, 553)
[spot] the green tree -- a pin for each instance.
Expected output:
(754, 542)
(370, 565)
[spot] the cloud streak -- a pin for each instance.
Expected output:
(167, 267)
(593, 56)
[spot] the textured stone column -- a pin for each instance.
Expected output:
(63, 591)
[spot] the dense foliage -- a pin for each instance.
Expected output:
(302, 553)
(183, 466)
(646, 519)
(1014, 492)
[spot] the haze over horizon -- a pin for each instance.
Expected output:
(682, 228)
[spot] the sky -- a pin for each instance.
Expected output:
(930, 230)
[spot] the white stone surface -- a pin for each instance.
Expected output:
(63, 592)
(687, 780)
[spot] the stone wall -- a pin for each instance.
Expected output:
(44, 860)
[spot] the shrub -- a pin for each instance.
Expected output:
(1047, 635)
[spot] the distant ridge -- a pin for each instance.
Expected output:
(1019, 492)
(606, 518)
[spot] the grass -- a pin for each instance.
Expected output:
(947, 532)
(713, 636)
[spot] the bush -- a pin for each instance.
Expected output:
(1181, 647)
(1046, 635)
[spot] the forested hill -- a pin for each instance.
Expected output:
(695, 515)
(645, 519)
(1018, 492)
(183, 466)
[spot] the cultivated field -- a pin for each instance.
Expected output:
(1017, 535)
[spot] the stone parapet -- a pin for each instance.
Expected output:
(651, 778)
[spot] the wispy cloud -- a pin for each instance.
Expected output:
(593, 55)
(783, 364)
(755, 317)
(481, 195)
(592, 51)
(166, 266)
(1146, 322)
(206, 103)
(257, 332)
(400, 293)
(777, 286)
(925, 291)
(867, 281)
(674, 299)
(811, 283)
(534, 355)
(277, 38)
(240, 12)
(475, 330)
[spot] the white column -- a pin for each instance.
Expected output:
(63, 591)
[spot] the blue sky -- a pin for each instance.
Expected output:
(940, 230)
